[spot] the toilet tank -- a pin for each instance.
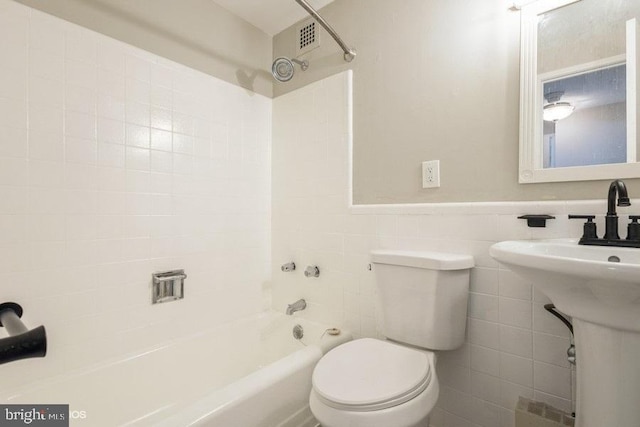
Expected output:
(423, 296)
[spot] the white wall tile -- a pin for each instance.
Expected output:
(454, 376)
(137, 90)
(81, 73)
(552, 379)
(485, 360)
(80, 46)
(486, 414)
(515, 313)
(44, 146)
(551, 349)
(483, 307)
(161, 118)
(46, 174)
(46, 33)
(485, 387)
(13, 113)
(112, 131)
(513, 286)
(46, 64)
(458, 403)
(516, 369)
(13, 142)
(387, 225)
(111, 155)
(516, 341)
(110, 106)
(137, 136)
(45, 119)
(80, 151)
(507, 418)
(79, 183)
(486, 334)
(137, 158)
(80, 125)
(162, 97)
(137, 113)
(484, 280)
(80, 99)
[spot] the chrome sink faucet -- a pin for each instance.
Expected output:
(299, 305)
(617, 188)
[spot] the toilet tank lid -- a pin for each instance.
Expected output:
(423, 259)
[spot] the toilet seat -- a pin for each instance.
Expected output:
(370, 375)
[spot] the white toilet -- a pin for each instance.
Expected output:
(384, 383)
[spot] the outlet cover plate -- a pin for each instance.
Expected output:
(431, 174)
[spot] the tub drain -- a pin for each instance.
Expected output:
(298, 332)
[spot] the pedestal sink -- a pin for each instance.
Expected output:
(599, 287)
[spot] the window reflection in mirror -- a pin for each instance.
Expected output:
(584, 118)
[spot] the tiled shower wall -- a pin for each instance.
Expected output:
(115, 163)
(513, 347)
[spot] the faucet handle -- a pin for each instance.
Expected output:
(290, 266)
(633, 229)
(312, 271)
(589, 228)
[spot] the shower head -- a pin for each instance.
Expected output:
(282, 68)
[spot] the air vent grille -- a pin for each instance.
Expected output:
(308, 37)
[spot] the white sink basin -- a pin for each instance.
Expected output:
(599, 284)
(599, 287)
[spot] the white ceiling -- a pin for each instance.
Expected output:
(271, 16)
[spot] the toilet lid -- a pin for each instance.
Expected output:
(369, 375)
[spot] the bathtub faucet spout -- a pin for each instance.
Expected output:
(301, 304)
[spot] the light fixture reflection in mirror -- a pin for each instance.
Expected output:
(555, 109)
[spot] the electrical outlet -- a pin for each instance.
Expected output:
(431, 174)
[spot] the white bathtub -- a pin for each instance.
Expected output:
(252, 373)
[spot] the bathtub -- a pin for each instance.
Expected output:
(252, 373)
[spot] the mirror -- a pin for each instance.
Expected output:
(578, 111)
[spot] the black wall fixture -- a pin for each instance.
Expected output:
(21, 343)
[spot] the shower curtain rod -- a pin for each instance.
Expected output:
(349, 53)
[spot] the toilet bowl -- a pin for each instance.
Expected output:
(393, 383)
(374, 383)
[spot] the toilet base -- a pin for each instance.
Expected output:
(414, 413)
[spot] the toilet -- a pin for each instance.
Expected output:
(381, 383)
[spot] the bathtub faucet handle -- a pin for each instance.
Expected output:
(290, 266)
(312, 271)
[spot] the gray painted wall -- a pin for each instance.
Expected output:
(432, 80)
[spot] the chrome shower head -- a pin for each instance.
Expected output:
(283, 68)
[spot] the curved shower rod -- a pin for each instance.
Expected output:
(349, 53)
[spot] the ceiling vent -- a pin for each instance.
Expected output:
(308, 36)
